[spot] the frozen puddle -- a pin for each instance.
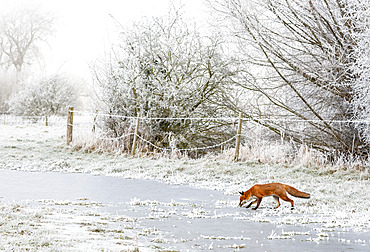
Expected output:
(157, 216)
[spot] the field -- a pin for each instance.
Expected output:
(339, 198)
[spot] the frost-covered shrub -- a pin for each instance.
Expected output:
(162, 68)
(45, 97)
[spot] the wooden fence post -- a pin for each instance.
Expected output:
(69, 125)
(135, 136)
(237, 145)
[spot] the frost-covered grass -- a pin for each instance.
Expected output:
(260, 148)
(339, 197)
(24, 227)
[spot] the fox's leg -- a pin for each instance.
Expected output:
(249, 205)
(289, 200)
(276, 198)
(258, 203)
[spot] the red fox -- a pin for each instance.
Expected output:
(276, 190)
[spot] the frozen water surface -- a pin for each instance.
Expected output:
(159, 216)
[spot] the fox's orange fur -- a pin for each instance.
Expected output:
(276, 190)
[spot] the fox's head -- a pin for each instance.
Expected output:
(244, 197)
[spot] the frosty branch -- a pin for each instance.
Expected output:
(296, 61)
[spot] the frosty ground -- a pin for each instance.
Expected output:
(338, 205)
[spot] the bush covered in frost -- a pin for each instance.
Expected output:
(45, 97)
(162, 68)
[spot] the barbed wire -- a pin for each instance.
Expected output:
(202, 118)
(223, 118)
(187, 149)
(154, 118)
(166, 149)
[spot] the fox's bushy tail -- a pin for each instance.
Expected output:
(296, 193)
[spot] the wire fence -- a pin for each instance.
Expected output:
(84, 121)
(136, 134)
(9, 119)
(271, 119)
(258, 132)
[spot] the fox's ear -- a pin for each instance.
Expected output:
(241, 193)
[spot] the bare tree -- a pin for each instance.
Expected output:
(295, 58)
(22, 31)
